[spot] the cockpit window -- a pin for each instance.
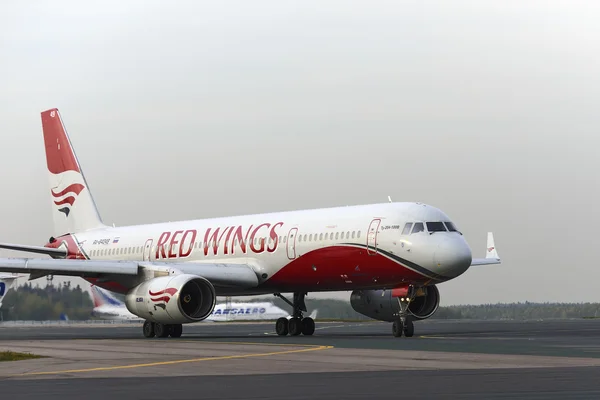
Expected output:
(436, 227)
(451, 227)
(406, 229)
(418, 227)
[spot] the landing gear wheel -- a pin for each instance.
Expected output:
(397, 328)
(161, 330)
(281, 326)
(308, 326)
(148, 329)
(176, 330)
(409, 328)
(295, 326)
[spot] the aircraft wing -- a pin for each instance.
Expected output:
(225, 274)
(491, 255)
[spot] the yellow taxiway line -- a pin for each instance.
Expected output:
(191, 360)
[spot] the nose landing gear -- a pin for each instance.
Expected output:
(298, 324)
(404, 323)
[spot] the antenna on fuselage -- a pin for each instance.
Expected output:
(389, 199)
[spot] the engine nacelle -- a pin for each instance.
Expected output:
(176, 299)
(381, 305)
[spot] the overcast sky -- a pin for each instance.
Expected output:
(191, 109)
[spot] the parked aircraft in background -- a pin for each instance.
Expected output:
(107, 306)
(391, 256)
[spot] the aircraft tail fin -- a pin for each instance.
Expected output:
(6, 282)
(73, 207)
(313, 314)
(101, 297)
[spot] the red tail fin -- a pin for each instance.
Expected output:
(73, 207)
(59, 153)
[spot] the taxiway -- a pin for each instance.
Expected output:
(445, 359)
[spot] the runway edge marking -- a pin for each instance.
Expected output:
(158, 363)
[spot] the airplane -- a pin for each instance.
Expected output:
(6, 282)
(107, 306)
(391, 255)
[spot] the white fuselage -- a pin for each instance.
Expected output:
(246, 312)
(342, 248)
(222, 312)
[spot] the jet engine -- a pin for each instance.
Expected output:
(382, 305)
(176, 299)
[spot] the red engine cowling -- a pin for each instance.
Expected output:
(176, 299)
(383, 305)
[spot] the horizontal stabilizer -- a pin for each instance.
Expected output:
(34, 249)
(491, 255)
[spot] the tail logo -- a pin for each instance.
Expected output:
(490, 248)
(162, 297)
(66, 197)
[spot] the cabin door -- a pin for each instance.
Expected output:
(372, 236)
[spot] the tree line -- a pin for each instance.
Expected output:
(32, 303)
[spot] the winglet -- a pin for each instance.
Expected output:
(491, 251)
(491, 254)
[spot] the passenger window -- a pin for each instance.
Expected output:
(436, 227)
(337, 235)
(358, 236)
(353, 232)
(406, 229)
(418, 228)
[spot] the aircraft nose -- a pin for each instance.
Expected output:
(452, 256)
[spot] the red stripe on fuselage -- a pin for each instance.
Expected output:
(333, 268)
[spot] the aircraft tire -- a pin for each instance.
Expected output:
(161, 330)
(409, 328)
(397, 328)
(308, 326)
(295, 326)
(148, 329)
(176, 330)
(281, 326)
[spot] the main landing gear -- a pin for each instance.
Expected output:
(404, 324)
(152, 329)
(297, 324)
